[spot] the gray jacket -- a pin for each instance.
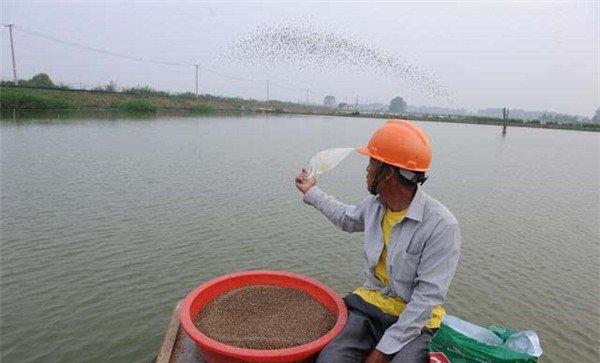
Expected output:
(421, 259)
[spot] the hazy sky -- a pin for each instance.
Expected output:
(529, 55)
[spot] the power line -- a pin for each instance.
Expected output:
(160, 62)
(98, 50)
(235, 78)
(134, 58)
(288, 87)
(125, 56)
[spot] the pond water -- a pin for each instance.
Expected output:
(107, 224)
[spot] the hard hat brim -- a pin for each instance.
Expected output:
(363, 150)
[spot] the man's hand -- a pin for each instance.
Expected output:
(377, 357)
(304, 182)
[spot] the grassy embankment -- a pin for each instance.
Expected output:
(147, 101)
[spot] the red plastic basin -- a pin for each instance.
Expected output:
(216, 352)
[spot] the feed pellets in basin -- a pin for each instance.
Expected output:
(265, 317)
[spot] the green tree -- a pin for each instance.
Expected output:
(596, 118)
(397, 105)
(39, 80)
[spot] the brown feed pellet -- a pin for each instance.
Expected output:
(265, 317)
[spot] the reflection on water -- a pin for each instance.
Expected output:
(69, 115)
(106, 225)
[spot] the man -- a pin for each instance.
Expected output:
(411, 248)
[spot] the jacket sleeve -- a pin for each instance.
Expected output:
(434, 274)
(348, 218)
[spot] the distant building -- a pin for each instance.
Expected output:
(329, 101)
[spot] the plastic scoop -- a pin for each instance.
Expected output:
(326, 160)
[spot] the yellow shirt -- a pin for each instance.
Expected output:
(388, 304)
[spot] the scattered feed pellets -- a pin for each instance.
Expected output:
(265, 317)
(317, 48)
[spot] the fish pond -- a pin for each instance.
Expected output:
(107, 222)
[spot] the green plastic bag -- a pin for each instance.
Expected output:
(458, 341)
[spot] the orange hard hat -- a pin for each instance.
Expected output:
(400, 143)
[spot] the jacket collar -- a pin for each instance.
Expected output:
(416, 208)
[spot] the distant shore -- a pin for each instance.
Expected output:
(16, 98)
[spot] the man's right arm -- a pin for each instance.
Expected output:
(348, 218)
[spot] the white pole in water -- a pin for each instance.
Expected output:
(504, 120)
(267, 90)
(12, 50)
(196, 66)
(307, 90)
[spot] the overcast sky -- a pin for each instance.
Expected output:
(528, 55)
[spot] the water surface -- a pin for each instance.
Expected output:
(106, 224)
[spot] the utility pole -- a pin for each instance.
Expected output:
(267, 90)
(12, 50)
(197, 66)
(307, 90)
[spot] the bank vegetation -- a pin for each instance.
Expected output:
(41, 94)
